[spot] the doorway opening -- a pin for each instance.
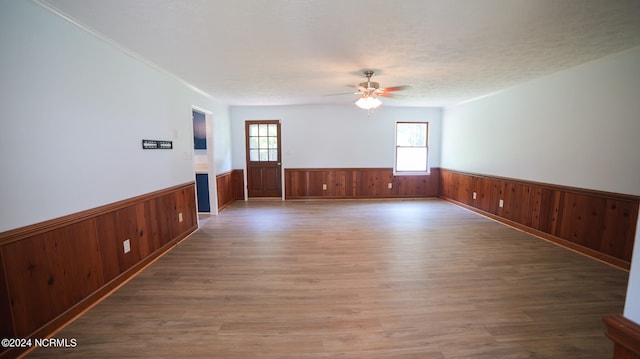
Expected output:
(206, 196)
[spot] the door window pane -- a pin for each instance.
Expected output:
(253, 130)
(263, 142)
(264, 155)
(273, 130)
(254, 155)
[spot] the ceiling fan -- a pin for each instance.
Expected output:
(370, 91)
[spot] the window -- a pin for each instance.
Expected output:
(411, 148)
(263, 142)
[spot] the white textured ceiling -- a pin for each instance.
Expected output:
(282, 52)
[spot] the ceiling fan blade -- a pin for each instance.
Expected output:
(343, 93)
(395, 88)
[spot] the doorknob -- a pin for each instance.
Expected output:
(279, 163)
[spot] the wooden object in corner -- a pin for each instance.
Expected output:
(625, 335)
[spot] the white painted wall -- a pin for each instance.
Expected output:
(73, 112)
(632, 302)
(578, 127)
(335, 136)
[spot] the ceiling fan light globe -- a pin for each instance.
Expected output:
(368, 103)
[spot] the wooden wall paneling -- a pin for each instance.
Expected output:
(358, 183)
(599, 224)
(113, 229)
(186, 206)
(512, 200)
(51, 272)
(582, 219)
(315, 180)
(365, 183)
(545, 212)
(342, 182)
(482, 187)
(408, 186)
(442, 184)
(518, 204)
(330, 180)
(415, 186)
(163, 206)
(110, 248)
(237, 179)
(224, 189)
(149, 227)
(433, 183)
(7, 329)
(535, 205)
(350, 182)
(465, 189)
(462, 188)
(497, 193)
(625, 335)
(449, 184)
(619, 228)
(558, 204)
(26, 262)
(289, 183)
(229, 187)
(530, 205)
(373, 182)
(295, 183)
(172, 210)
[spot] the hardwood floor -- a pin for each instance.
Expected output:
(355, 279)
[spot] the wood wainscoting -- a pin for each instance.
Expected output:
(51, 272)
(310, 183)
(598, 224)
(230, 187)
(625, 335)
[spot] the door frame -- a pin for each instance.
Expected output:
(210, 159)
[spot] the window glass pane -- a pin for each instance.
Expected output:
(273, 129)
(253, 130)
(263, 142)
(254, 155)
(273, 155)
(411, 134)
(253, 142)
(264, 155)
(262, 131)
(411, 159)
(273, 142)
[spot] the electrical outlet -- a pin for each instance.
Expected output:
(474, 195)
(324, 186)
(501, 203)
(390, 185)
(127, 246)
(180, 217)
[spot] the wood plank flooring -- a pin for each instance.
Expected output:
(355, 279)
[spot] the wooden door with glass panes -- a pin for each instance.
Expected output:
(264, 165)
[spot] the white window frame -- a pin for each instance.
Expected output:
(395, 152)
